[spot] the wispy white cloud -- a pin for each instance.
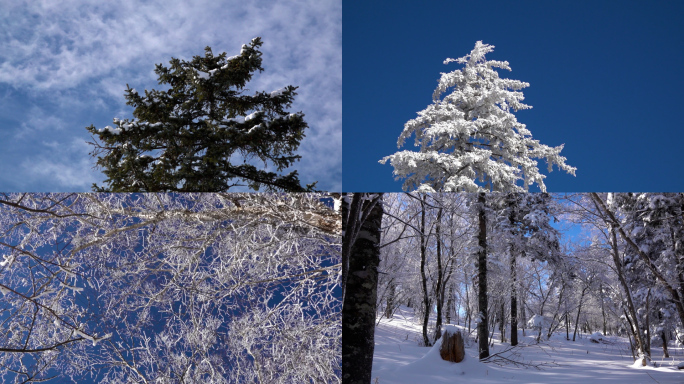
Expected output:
(64, 166)
(38, 123)
(71, 59)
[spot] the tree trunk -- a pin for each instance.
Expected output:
(603, 310)
(502, 321)
(579, 310)
(662, 335)
(440, 281)
(350, 231)
(522, 315)
(359, 306)
(389, 308)
(423, 246)
(469, 317)
(632, 327)
(450, 304)
(648, 323)
(514, 301)
(629, 336)
(482, 326)
(554, 325)
(492, 321)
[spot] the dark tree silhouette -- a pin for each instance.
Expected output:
(203, 133)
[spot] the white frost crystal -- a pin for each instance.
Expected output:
(8, 259)
(75, 289)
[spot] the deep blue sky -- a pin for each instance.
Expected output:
(605, 79)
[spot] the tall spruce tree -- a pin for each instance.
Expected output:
(470, 141)
(204, 132)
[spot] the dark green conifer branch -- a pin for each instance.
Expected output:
(189, 137)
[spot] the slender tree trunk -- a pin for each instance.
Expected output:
(359, 306)
(482, 326)
(440, 279)
(514, 301)
(631, 345)
(579, 310)
(469, 317)
(541, 328)
(423, 246)
(389, 309)
(662, 336)
(450, 303)
(632, 332)
(502, 321)
(523, 315)
(447, 280)
(603, 310)
(648, 323)
(556, 316)
(492, 324)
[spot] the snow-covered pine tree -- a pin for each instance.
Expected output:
(202, 134)
(471, 135)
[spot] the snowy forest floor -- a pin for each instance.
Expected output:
(398, 359)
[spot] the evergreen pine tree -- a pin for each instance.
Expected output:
(204, 132)
(471, 135)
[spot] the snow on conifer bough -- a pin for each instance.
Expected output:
(203, 134)
(470, 141)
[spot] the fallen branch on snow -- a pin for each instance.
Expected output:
(512, 356)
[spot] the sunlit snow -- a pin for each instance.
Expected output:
(398, 359)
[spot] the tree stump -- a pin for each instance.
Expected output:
(452, 348)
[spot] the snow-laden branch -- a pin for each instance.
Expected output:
(470, 140)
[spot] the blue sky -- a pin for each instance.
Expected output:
(604, 80)
(64, 65)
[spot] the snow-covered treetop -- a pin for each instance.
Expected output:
(471, 134)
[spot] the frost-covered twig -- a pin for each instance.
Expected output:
(75, 289)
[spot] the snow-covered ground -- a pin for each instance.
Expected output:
(399, 360)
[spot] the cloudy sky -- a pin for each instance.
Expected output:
(64, 64)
